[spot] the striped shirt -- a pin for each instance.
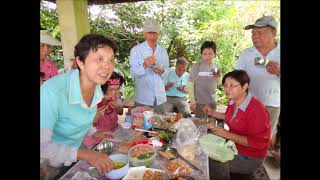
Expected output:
(149, 86)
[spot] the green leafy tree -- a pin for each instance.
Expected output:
(185, 25)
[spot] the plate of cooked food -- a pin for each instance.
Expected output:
(144, 173)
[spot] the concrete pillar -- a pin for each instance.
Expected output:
(74, 23)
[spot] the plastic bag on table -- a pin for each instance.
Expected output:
(178, 168)
(158, 121)
(186, 138)
(217, 148)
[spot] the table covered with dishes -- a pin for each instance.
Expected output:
(166, 149)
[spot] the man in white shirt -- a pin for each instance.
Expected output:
(262, 63)
(149, 62)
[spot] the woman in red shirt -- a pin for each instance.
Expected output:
(248, 121)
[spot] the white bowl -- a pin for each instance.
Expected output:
(118, 173)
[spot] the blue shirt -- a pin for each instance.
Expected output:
(178, 81)
(63, 110)
(149, 86)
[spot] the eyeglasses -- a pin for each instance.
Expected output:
(231, 86)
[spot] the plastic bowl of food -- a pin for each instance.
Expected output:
(142, 155)
(120, 166)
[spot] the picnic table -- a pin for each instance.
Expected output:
(201, 160)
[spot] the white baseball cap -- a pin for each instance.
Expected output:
(151, 25)
(46, 38)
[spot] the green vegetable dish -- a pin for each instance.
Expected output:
(142, 152)
(145, 156)
(166, 136)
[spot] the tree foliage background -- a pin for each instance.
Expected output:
(185, 25)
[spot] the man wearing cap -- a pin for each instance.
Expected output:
(264, 77)
(149, 61)
(46, 66)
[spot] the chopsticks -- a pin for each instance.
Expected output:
(142, 130)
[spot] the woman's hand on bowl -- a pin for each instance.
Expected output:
(99, 160)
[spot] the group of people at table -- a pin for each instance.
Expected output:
(79, 106)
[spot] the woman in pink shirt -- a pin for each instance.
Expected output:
(106, 119)
(248, 121)
(47, 66)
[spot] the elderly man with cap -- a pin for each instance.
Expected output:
(46, 66)
(262, 63)
(149, 61)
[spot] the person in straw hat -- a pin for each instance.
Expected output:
(47, 66)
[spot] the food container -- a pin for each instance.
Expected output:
(142, 155)
(137, 116)
(261, 61)
(147, 115)
(143, 173)
(119, 172)
(178, 168)
(159, 121)
(181, 87)
(215, 70)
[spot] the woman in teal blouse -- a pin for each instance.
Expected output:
(68, 104)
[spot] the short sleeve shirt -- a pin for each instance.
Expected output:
(204, 84)
(63, 110)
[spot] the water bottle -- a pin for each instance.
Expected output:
(127, 122)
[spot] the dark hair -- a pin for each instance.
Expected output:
(209, 44)
(91, 42)
(114, 75)
(239, 75)
(182, 60)
(41, 74)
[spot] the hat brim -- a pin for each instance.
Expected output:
(253, 26)
(49, 40)
(151, 30)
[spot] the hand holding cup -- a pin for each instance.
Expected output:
(149, 61)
